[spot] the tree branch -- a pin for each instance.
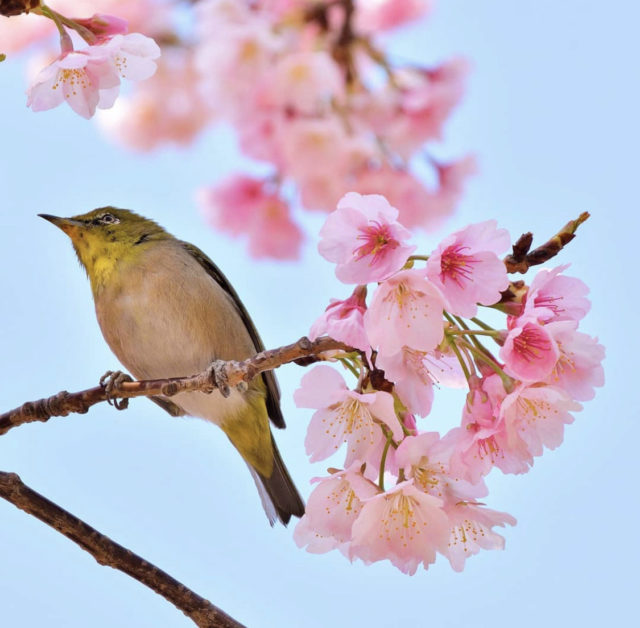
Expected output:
(106, 552)
(234, 373)
(521, 259)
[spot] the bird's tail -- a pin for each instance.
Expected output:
(279, 495)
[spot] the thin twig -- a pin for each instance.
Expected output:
(65, 403)
(106, 552)
(521, 259)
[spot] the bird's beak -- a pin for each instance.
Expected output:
(68, 225)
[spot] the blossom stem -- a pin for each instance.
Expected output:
(472, 332)
(383, 461)
(347, 364)
(60, 19)
(423, 258)
(66, 45)
(480, 323)
(474, 340)
(507, 382)
(463, 364)
(454, 346)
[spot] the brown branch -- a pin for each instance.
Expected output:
(234, 373)
(16, 7)
(106, 552)
(521, 259)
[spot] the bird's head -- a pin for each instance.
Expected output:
(106, 237)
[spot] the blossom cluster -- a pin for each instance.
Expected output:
(308, 92)
(405, 494)
(89, 77)
(307, 85)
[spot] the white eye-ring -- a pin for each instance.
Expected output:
(108, 219)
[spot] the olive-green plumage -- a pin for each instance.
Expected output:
(166, 310)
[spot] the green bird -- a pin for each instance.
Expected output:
(166, 310)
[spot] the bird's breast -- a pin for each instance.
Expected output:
(165, 316)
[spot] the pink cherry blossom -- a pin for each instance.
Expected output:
(272, 232)
(344, 320)
(378, 15)
(427, 99)
(307, 81)
(466, 267)
(481, 442)
(331, 510)
(245, 205)
(553, 296)
(529, 351)
(233, 55)
(579, 367)
(408, 369)
(84, 79)
(307, 142)
(259, 134)
(364, 239)
(536, 416)
(344, 416)
(405, 310)
(425, 459)
(472, 531)
(90, 78)
(403, 525)
(133, 55)
(104, 25)
(231, 204)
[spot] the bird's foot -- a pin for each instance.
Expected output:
(218, 374)
(112, 380)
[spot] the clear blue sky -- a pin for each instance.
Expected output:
(551, 112)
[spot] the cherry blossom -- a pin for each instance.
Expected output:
(529, 352)
(466, 267)
(85, 80)
(425, 459)
(406, 310)
(344, 416)
(409, 370)
(331, 510)
(553, 296)
(536, 416)
(386, 14)
(364, 239)
(90, 78)
(344, 320)
(579, 367)
(471, 530)
(403, 525)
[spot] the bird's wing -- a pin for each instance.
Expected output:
(273, 390)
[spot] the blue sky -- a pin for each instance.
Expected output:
(551, 113)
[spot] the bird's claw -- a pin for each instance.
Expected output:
(112, 380)
(218, 374)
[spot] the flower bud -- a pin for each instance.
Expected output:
(103, 25)
(15, 7)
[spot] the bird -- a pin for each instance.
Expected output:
(166, 310)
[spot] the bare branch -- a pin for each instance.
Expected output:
(65, 403)
(106, 552)
(521, 259)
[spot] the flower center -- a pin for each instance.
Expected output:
(74, 78)
(531, 344)
(377, 239)
(456, 266)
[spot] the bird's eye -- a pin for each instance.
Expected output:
(108, 219)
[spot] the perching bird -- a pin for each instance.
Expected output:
(166, 310)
